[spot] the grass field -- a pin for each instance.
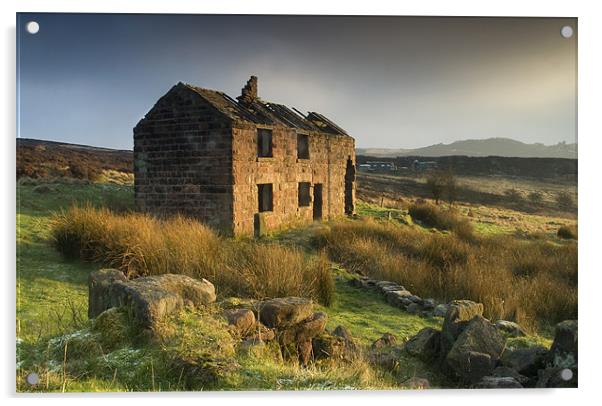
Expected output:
(52, 304)
(52, 296)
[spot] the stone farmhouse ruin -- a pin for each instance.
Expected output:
(244, 166)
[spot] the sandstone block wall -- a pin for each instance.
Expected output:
(183, 161)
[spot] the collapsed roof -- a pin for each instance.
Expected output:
(252, 109)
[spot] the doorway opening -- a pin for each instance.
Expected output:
(318, 201)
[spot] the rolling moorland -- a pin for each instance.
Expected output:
(496, 244)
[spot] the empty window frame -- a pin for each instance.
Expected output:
(302, 146)
(264, 143)
(304, 198)
(265, 197)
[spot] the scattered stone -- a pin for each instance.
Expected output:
(329, 346)
(495, 382)
(502, 371)
(557, 377)
(425, 344)
(415, 299)
(242, 321)
(387, 340)
(297, 339)
(525, 361)
(428, 304)
(345, 334)
(99, 282)
(440, 310)
(476, 350)
(413, 308)
(151, 298)
(563, 353)
(458, 314)
(284, 312)
(511, 328)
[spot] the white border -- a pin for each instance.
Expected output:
(590, 196)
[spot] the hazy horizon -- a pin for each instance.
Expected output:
(391, 82)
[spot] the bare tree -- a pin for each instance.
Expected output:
(442, 184)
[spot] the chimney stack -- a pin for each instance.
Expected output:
(249, 92)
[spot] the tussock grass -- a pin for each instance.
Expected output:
(531, 282)
(443, 219)
(141, 245)
(567, 232)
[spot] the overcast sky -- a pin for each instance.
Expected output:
(397, 82)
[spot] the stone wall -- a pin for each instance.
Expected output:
(326, 166)
(183, 161)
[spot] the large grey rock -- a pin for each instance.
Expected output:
(525, 361)
(152, 298)
(476, 350)
(99, 282)
(284, 312)
(495, 382)
(459, 313)
(425, 344)
(563, 353)
(511, 328)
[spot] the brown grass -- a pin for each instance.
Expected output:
(443, 219)
(141, 245)
(531, 282)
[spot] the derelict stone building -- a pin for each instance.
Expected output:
(244, 166)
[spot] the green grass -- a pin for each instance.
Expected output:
(52, 305)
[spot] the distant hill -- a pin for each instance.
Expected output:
(504, 147)
(42, 159)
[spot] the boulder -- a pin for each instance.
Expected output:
(425, 344)
(511, 328)
(476, 350)
(496, 382)
(241, 321)
(151, 298)
(387, 340)
(440, 310)
(345, 334)
(429, 304)
(459, 313)
(525, 361)
(327, 346)
(563, 353)
(413, 308)
(502, 372)
(557, 377)
(99, 282)
(284, 312)
(297, 339)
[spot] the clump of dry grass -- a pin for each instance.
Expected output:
(567, 232)
(531, 282)
(141, 245)
(443, 219)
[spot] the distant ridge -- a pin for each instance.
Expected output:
(504, 147)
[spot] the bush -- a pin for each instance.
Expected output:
(531, 282)
(513, 195)
(432, 216)
(565, 201)
(568, 232)
(442, 184)
(140, 245)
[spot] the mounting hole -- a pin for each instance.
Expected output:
(32, 27)
(566, 374)
(566, 31)
(33, 378)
